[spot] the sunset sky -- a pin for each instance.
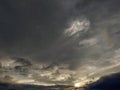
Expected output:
(58, 42)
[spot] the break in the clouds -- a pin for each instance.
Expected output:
(58, 41)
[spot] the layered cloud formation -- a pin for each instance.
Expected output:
(58, 41)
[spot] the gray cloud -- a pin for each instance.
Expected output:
(80, 37)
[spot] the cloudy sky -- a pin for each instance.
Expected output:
(48, 42)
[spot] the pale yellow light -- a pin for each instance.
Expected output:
(77, 84)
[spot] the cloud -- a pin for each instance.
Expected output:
(42, 40)
(110, 82)
(7, 79)
(24, 72)
(77, 27)
(22, 61)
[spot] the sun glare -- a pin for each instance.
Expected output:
(77, 84)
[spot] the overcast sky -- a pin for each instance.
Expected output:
(58, 41)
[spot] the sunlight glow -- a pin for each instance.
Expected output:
(77, 84)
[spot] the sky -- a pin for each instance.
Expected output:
(58, 42)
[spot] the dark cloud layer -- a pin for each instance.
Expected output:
(111, 82)
(80, 37)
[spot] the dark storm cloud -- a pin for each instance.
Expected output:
(79, 36)
(111, 82)
(23, 61)
(29, 26)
